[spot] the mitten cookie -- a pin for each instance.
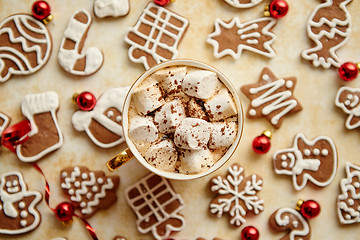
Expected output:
(156, 206)
(348, 202)
(45, 135)
(17, 205)
(111, 8)
(103, 123)
(70, 56)
(314, 161)
(156, 36)
(348, 99)
(4, 122)
(271, 98)
(243, 3)
(88, 190)
(25, 46)
(236, 195)
(328, 28)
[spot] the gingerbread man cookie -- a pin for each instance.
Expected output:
(348, 99)
(103, 123)
(271, 98)
(25, 46)
(18, 213)
(88, 190)
(308, 160)
(111, 8)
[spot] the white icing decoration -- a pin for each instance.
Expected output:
(316, 151)
(302, 163)
(34, 104)
(160, 24)
(8, 184)
(266, 77)
(279, 99)
(84, 176)
(252, 112)
(23, 214)
(110, 114)
(310, 54)
(111, 8)
(351, 202)
(67, 58)
(239, 4)
(63, 174)
(81, 120)
(88, 195)
(4, 118)
(18, 58)
(307, 152)
(357, 184)
(324, 152)
(295, 223)
(289, 84)
(355, 111)
(77, 184)
(244, 27)
(283, 220)
(283, 157)
(284, 164)
(118, 119)
(82, 204)
(157, 208)
(95, 189)
(8, 200)
(71, 191)
(100, 181)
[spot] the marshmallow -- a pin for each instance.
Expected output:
(200, 84)
(195, 110)
(162, 155)
(195, 161)
(223, 134)
(169, 116)
(142, 130)
(148, 98)
(192, 134)
(221, 106)
(170, 79)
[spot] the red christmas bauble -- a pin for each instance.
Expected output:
(86, 101)
(161, 2)
(64, 212)
(310, 209)
(278, 8)
(348, 71)
(41, 10)
(261, 144)
(249, 233)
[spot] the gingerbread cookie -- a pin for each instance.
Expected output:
(271, 98)
(156, 206)
(156, 36)
(111, 8)
(348, 202)
(231, 38)
(291, 221)
(18, 213)
(45, 135)
(4, 122)
(243, 3)
(103, 123)
(236, 195)
(70, 56)
(88, 190)
(314, 161)
(348, 99)
(33, 52)
(328, 28)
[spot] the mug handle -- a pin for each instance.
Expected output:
(119, 159)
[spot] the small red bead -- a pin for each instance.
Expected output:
(64, 212)
(41, 10)
(261, 144)
(278, 8)
(249, 233)
(86, 101)
(348, 71)
(310, 209)
(161, 2)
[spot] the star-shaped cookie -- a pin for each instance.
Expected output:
(271, 97)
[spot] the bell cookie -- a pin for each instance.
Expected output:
(312, 161)
(146, 45)
(328, 29)
(25, 46)
(232, 37)
(271, 98)
(89, 191)
(348, 202)
(4, 122)
(18, 213)
(103, 123)
(71, 57)
(236, 195)
(348, 99)
(111, 8)
(156, 206)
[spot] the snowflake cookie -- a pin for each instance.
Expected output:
(314, 161)
(348, 202)
(236, 195)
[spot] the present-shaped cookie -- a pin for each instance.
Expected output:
(308, 160)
